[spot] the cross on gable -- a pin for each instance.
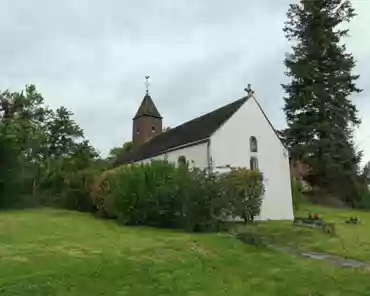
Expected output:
(249, 90)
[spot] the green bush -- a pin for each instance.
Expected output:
(200, 198)
(160, 194)
(77, 189)
(146, 194)
(243, 191)
(101, 194)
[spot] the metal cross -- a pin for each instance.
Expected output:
(249, 90)
(147, 84)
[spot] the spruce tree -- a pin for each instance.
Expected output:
(319, 112)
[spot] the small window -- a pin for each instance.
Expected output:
(181, 161)
(253, 163)
(153, 129)
(137, 131)
(253, 144)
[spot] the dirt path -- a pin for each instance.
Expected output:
(336, 260)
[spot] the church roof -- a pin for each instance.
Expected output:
(200, 128)
(147, 107)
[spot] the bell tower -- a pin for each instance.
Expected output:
(147, 121)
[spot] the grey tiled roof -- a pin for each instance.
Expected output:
(194, 130)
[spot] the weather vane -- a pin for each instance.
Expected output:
(147, 84)
(249, 90)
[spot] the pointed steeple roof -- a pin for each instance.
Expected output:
(148, 108)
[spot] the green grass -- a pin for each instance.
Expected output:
(55, 252)
(350, 241)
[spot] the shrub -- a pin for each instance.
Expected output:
(163, 195)
(353, 220)
(160, 194)
(243, 191)
(146, 194)
(101, 195)
(77, 188)
(200, 199)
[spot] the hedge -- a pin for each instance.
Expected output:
(162, 195)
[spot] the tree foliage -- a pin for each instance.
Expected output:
(62, 134)
(319, 112)
(364, 187)
(40, 147)
(10, 166)
(115, 152)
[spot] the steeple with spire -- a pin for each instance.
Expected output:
(147, 121)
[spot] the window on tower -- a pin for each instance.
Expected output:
(153, 129)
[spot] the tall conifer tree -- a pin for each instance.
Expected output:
(319, 112)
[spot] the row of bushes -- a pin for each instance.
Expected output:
(156, 194)
(163, 195)
(62, 188)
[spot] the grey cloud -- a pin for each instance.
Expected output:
(92, 56)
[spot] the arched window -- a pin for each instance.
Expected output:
(253, 144)
(254, 163)
(181, 160)
(153, 129)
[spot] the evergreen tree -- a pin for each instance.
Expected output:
(320, 115)
(365, 174)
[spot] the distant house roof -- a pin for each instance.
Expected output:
(200, 128)
(147, 107)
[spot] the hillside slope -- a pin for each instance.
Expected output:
(351, 241)
(55, 252)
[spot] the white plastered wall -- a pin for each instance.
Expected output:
(230, 145)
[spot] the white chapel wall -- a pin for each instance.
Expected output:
(230, 145)
(196, 155)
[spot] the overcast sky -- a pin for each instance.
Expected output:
(91, 56)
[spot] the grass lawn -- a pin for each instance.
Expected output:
(351, 241)
(55, 252)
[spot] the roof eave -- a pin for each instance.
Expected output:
(145, 114)
(269, 122)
